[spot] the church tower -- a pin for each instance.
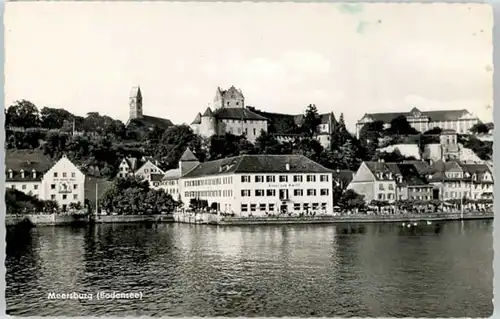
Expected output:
(135, 103)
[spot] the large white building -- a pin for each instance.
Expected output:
(34, 174)
(460, 121)
(257, 184)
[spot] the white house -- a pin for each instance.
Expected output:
(127, 167)
(258, 184)
(147, 170)
(64, 183)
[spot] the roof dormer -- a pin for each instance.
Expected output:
(11, 174)
(22, 173)
(33, 173)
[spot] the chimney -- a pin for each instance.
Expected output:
(287, 166)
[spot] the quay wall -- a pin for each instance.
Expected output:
(55, 219)
(45, 219)
(105, 219)
(350, 219)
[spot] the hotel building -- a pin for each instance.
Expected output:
(249, 185)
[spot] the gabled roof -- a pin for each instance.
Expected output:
(27, 160)
(475, 168)
(379, 170)
(188, 156)
(434, 116)
(237, 114)
(131, 162)
(264, 164)
(421, 166)
(208, 112)
(197, 119)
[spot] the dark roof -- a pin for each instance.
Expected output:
(265, 164)
(197, 119)
(156, 177)
(411, 176)
(434, 116)
(132, 162)
(188, 156)
(27, 160)
(475, 168)
(238, 114)
(135, 92)
(379, 167)
(147, 120)
(325, 118)
(208, 112)
(421, 166)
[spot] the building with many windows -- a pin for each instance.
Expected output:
(259, 184)
(460, 121)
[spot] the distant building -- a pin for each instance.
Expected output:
(127, 167)
(389, 182)
(459, 120)
(259, 184)
(35, 174)
(137, 117)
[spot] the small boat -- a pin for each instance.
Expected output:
(403, 224)
(429, 222)
(414, 224)
(409, 225)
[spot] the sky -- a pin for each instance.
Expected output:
(346, 58)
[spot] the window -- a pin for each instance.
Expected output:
(253, 207)
(65, 196)
(75, 196)
(35, 186)
(52, 186)
(311, 192)
(52, 197)
(323, 178)
(270, 178)
(283, 178)
(64, 174)
(262, 207)
(259, 192)
(305, 206)
(271, 192)
(391, 187)
(324, 192)
(323, 206)
(296, 206)
(381, 187)
(245, 192)
(245, 179)
(315, 206)
(23, 186)
(298, 192)
(254, 132)
(297, 178)
(259, 179)
(55, 174)
(246, 131)
(244, 207)
(311, 178)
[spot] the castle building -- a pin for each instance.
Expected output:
(230, 115)
(459, 120)
(136, 115)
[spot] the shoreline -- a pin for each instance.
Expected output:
(38, 220)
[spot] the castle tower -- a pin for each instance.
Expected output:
(135, 103)
(188, 161)
(208, 125)
(232, 98)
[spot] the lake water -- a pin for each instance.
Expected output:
(438, 270)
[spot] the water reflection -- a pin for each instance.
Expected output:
(442, 269)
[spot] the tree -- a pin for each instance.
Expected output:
(479, 128)
(348, 156)
(401, 126)
(52, 118)
(22, 114)
(267, 144)
(351, 200)
(308, 147)
(311, 121)
(394, 156)
(227, 145)
(371, 132)
(174, 142)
